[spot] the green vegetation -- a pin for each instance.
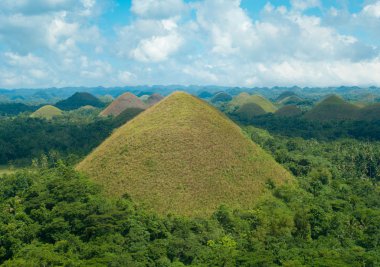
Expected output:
(245, 98)
(57, 217)
(5, 169)
(321, 130)
(23, 138)
(333, 108)
(289, 111)
(182, 156)
(78, 100)
(370, 112)
(46, 112)
(123, 102)
(12, 109)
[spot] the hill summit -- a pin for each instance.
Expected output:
(183, 156)
(123, 102)
(78, 100)
(333, 108)
(46, 112)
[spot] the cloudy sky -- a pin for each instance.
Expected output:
(45, 43)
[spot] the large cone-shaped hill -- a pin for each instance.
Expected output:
(46, 112)
(333, 108)
(123, 102)
(182, 156)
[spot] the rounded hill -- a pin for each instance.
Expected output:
(46, 112)
(245, 98)
(248, 111)
(333, 108)
(78, 100)
(123, 102)
(183, 156)
(285, 94)
(221, 97)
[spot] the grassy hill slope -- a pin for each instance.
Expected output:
(333, 108)
(245, 98)
(123, 102)
(46, 112)
(183, 156)
(248, 111)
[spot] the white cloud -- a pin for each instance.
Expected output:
(157, 9)
(302, 5)
(157, 48)
(372, 10)
(126, 77)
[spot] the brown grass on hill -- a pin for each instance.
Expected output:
(182, 156)
(123, 102)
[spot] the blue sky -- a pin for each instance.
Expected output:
(46, 43)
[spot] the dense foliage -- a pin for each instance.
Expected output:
(55, 216)
(24, 138)
(11, 109)
(326, 130)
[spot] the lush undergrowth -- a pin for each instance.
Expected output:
(54, 216)
(321, 130)
(22, 138)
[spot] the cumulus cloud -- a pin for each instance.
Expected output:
(59, 43)
(372, 10)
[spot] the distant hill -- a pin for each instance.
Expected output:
(291, 100)
(78, 100)
(154, 99)
(205, 95)
(289, 111)
(123, 102)
(285, 95)
(370, 112)
(46, 112)
(248, 111)
(333, 108)
(245, 98)
(221, 97)
(183, 156)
